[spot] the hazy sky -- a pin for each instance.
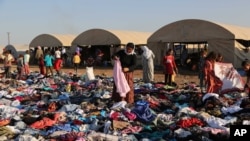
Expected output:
(26, 19)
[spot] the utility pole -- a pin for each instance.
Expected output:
(8, 33)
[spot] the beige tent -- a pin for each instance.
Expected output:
(227, 39)
(110, 37)
(52, 40)
(108, 41)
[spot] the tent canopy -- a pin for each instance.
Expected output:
(195, 30)
(52, 40)
(110, 37)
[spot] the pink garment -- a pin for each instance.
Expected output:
(121, 83)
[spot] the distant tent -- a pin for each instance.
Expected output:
(12, 50)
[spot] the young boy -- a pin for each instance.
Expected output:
(246, 66)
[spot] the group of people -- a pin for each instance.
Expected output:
(127, 59)
(48, 61)
(22, 63)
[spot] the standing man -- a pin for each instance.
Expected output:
(26, 62)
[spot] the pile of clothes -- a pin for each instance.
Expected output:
(68, 108)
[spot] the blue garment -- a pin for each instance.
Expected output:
(143, 112)
(64, 127)
(48, 59)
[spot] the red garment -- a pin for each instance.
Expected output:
(214, 84)
(26, 69)
(41, 66)
(169, 63)
(186, 123)
(58, 64)
(41, 124)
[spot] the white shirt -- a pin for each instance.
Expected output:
(57, 54)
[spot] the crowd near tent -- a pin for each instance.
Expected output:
(229, 40)
(108, 41)
(50, 41)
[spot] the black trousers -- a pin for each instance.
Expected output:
(168, 79)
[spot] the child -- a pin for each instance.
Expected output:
(246, 66)
(89, 68)
(20, 66)
(41, 64)
(58, 65)
(48, 60)
(76, 61)
(169, 67)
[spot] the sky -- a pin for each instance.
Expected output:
(23, 20)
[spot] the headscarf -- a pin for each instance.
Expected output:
(147, 53)
(132, 46)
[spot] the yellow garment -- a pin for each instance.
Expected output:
(76, 59)
(173, 77)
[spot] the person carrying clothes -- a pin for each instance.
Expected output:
(26, 59)
(169, 66)
(7, 61)
(214, 84)
(76, 61)
(20, 66)
(48, 60)
(127, 58)
(201, 65)
(147, 64)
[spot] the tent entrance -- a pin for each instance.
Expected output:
(187, 54)
(94, 51)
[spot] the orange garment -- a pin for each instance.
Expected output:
(41, 124)
(214, 83)
(4, 122)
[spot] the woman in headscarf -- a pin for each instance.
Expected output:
(127, 58)
(147, 65)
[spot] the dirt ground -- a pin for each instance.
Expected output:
(182, 77)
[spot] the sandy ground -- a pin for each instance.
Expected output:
(182, 77)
